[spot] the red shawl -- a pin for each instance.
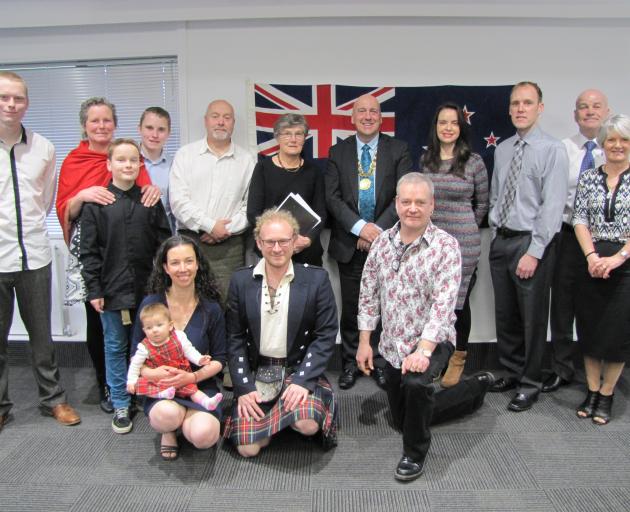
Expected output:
(84, 168)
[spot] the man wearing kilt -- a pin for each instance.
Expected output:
(282, 325)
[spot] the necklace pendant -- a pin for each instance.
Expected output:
(365, 184)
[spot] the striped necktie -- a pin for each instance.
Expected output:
(511, 182)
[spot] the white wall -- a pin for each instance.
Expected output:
(219, 56)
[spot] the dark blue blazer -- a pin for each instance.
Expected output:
(311, 328)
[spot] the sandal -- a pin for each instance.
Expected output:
(601, 414)
(169, 452)
(585, 410)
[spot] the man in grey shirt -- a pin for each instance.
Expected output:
(527, 197)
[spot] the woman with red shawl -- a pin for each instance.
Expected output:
(84, 178)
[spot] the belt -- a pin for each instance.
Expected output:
(272, 361)
(189, 232)
(510, 233)
(567, 227)
(196, 235)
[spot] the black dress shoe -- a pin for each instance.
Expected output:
(348, 377)
(522, 402)
(485, 378)
(502, 384)
(378, 374)
(408, 469)
(553, 382)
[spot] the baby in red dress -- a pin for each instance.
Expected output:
(164, 346)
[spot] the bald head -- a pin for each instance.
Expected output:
(591, 110)
(219, 120)
(366, 117)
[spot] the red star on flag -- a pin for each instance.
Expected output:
(467, 114)
(491, 140)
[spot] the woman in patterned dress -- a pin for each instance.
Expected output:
(461, 203)
(601, 222)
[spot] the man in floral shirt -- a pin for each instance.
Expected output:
(410, 283)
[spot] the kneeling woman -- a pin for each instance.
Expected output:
(282, 325)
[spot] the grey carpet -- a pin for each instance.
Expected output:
(541, 460)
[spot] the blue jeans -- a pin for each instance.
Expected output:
(116, 337)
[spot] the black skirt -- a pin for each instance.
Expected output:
(603, 310)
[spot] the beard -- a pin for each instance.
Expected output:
(220, 135)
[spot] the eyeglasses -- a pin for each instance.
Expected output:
(283, 242)
(291, 135)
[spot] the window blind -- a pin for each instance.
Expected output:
(56, 91)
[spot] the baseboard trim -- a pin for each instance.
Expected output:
(481, 356)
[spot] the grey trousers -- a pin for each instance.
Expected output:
(32, 289)
(224, 259)
(521, 310)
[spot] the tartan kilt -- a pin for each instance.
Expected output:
(321, 406)
(147, 388)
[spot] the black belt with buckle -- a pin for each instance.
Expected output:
(272, 361)
(510, 233)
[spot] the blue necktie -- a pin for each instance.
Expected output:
(588, 162)
(366, 194)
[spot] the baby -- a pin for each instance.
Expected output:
(164, 346)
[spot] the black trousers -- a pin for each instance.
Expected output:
(463, 321)
(350, 284)
(521, 310)
(415, 404)
(569, 260)
(95, 343)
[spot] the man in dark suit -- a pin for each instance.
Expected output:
(361, 178)
(280, 315)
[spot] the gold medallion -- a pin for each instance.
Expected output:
(365, 184)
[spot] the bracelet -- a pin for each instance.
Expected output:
(195, 376)
(587, 255)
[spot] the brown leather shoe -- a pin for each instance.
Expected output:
(65, 414)
(4, 418)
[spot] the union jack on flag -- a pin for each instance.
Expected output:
(326, 111)
(407, 114)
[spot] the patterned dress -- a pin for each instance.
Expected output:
(602, 316)
(460, 206)
(170, 353)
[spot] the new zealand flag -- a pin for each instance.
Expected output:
(407, 114)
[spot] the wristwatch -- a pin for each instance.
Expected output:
(426, 353)
(624, 254)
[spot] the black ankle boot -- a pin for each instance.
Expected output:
(601, 413)
(586, 408)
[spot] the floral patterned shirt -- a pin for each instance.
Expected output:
(412, 289)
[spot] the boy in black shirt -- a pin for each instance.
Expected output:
(118, 242)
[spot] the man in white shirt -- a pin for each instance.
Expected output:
(591, 109)
(27, 189)
(208, 189)
(155, 129)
